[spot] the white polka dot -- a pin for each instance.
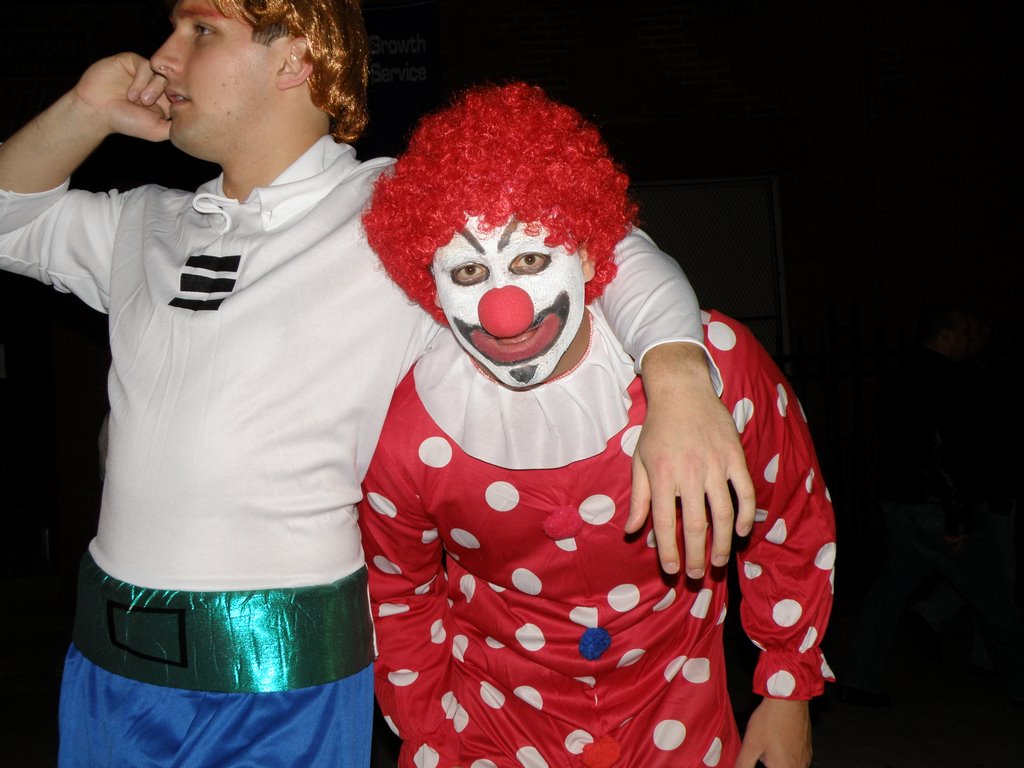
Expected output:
(530, 637)
(742, 413)
(809, 639)
(697, 670)
(809, 483)
(497, 588)
(624, 597)
(501, 496)
(597, 509)
(492, 643)
(587, 680)
(786, 613)
(752, 570)
(530, 695)
(722, 613)
(631, 657)
(699, 609)
(782, 403)
(577, 740)
(721, 336)
(652, 540)
(437, 632)
(781, 684)
(435, 452)
(467, 585)
(714, 753)
(828, 495)
(385, 566)
(382, 505)
(669, 734)
(529, 757)
(426, 757)
(778, 533)
(803, 413)
(455, 712)
(459, 645)
(391, 609)
(569, 545)
(629, 440)
(491, 696)
(674, 667)
(402, 677)
(483, 764)
(760, 515)
(429, 536)
(453, 555)
(666, 601)
(826, 557)
(526, 581)
(392, 726)
(423, 589)
(772, 470)
(826, 670)
(584, 615)
(465, 539)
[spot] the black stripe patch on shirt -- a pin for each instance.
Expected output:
(196, 305)
(214, 263)
(190, 282)
(201, 284)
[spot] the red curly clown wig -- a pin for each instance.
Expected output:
(499, 152)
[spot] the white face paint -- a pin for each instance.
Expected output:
(514, 303)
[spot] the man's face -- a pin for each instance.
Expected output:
(217, 80)
(513, 303)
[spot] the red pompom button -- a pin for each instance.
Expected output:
(602, 753)
(564, 523)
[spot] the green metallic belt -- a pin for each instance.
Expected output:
(229, 642)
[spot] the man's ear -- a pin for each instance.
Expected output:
(297, 66)
(589, 269)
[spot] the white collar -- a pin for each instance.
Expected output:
(299, 187)
(561, 421)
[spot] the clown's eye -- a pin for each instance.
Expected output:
(469, 274)
(529, 263)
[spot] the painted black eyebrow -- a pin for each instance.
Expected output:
(507, 234)
(472, 240)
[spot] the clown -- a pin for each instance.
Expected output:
(517, 623)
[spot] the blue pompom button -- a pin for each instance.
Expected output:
(594, 642)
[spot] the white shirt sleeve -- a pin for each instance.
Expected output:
(61, 238)
(650, 301)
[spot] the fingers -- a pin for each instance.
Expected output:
(720, 505)
(639, 497)
(746, 500)
(695, 531)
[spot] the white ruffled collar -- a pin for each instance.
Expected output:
(561, 421)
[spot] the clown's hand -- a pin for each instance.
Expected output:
(688, 450)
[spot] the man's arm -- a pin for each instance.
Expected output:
(119, 94)
(689, 447)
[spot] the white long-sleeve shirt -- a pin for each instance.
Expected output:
(255, 347)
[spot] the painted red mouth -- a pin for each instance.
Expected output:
(531, 343)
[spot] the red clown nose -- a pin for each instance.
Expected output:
(506, 311)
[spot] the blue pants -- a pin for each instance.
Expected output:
(108, 721)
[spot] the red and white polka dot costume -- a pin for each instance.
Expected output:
(547, 637)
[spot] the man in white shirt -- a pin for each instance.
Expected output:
(255, 343)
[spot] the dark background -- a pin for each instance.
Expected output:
(887, 129)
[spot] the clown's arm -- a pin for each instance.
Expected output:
(689, 448)
(409, 603)
(786, 566)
